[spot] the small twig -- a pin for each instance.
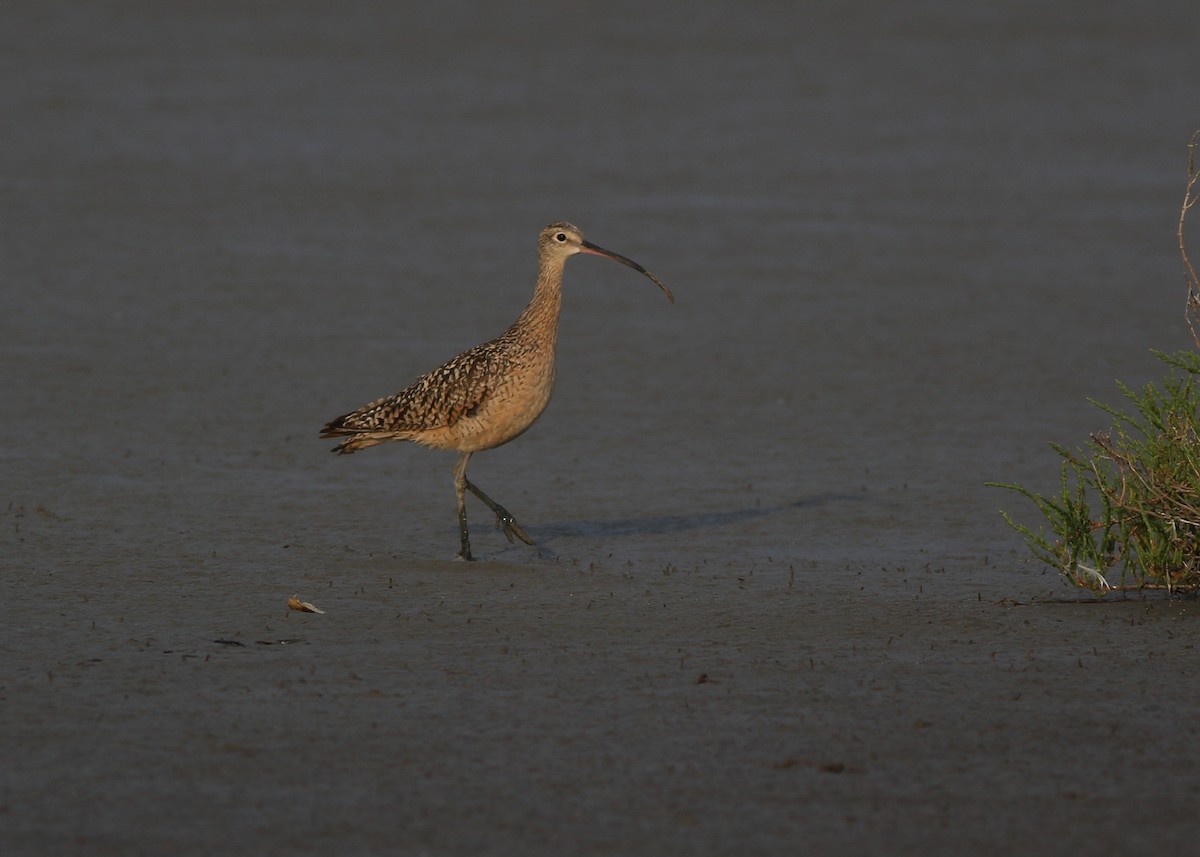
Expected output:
(1190, 197)
(1165, 587)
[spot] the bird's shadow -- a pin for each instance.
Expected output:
(667, 524)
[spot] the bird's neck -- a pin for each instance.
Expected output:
(540, 318)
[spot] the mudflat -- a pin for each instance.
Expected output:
(772, 608)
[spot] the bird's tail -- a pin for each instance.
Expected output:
(356, 438)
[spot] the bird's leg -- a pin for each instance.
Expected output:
(504, 520)
(460, 483)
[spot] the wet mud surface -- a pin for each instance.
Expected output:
(772, 608)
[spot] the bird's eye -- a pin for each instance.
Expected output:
(560, 237)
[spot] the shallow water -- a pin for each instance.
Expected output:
(907, 244)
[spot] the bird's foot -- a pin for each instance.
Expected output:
(464, 551)
(506, 523)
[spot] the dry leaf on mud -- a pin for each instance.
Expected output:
(294, 603)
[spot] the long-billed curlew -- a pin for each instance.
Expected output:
(488, 395)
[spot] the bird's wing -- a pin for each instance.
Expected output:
(464, 396)
(438, 399)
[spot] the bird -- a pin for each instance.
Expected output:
(489, 394)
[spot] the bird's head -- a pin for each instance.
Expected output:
(561, 240)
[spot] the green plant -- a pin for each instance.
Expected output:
(1130, 498)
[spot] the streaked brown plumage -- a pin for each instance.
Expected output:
(487, 395)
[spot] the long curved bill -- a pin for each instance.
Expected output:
(589, 247)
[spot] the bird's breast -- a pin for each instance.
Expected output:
(511, 407)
